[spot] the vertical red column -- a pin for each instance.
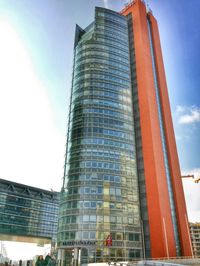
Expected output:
(159, 214)
(179, 198)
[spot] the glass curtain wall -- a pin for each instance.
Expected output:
(100, 189)
(27, 211)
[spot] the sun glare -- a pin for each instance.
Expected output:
(25, 251)
(31, 145)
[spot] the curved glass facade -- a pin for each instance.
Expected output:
(100, 190)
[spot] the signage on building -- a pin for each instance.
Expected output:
(79, 243)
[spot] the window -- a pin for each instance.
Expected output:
(85, 218)
(92, 218)
(85, 235)
(93, 204)
(99, 190)
(112, 191)
(72, 235)
(92, 235)
(87, 190)
(118, 236)
(113, 219)
(73, 219)
(118, 192)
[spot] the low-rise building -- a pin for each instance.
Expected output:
(195, 237)
(27, 214)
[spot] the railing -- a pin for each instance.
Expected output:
(177, 261)
(157, 263)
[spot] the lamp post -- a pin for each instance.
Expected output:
(143, 243)
(125, 214)
(124, 242)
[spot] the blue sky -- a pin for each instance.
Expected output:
(36, 55)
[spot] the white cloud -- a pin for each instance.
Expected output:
(32, 148)
(192, 194)
(193, 117)
(188, 115)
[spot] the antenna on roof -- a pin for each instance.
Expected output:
(147, 5)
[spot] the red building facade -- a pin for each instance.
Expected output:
(166, 214)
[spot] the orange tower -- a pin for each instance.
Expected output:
(165, 214)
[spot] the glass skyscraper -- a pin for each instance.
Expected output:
(116, 139)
